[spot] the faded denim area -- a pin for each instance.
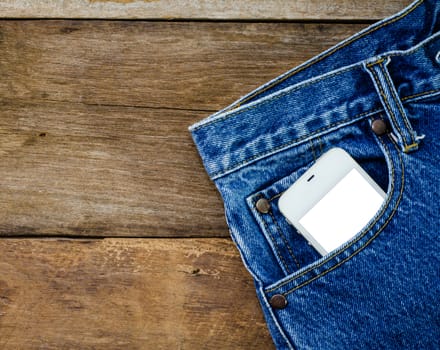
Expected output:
(380, 290)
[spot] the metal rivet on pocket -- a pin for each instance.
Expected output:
(278, 301)
(379, 127)
(263, 205)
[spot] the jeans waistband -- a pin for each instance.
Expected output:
(264, 123)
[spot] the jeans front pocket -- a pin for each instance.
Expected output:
(335, 289)
(301, 264)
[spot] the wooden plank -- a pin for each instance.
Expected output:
(185, 65)
(94, 117)
(203, 9)
(127, 294)
(73, 169)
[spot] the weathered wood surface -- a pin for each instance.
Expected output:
(94, 142)
(94, 117)
(203, 9)
(127, 294)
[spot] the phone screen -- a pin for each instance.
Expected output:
(343, 211)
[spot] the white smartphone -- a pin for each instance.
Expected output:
(332, 201)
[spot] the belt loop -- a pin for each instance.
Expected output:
(400, 124)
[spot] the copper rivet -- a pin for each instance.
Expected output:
(263, 205)
(278, 301)
(379, 127)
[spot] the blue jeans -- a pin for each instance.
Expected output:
(380, 290)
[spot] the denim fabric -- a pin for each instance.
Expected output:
(381, 289)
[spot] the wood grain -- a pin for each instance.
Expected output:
(94, 143)
(203, 9)
(127, 294)
(184, 65)
(94, 117)
(87, 170)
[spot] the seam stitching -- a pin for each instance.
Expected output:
(366, 230)
(406, 98)
(273, 240)
(350, 67)
(280, 232)
(276, 195)
(313, 150)
(420, 94)
(274, 98)
(320, 145)
(385, 100)
(294, 141)
(397, 102)
(331, 51)
(379, 61)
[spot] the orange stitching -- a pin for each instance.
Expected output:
(285, 240)
(276, 196)
(274, 242)
(385, 99)
(396, 100)
(410, 147)
(379, 61)
(231, 112)
(301, 85)
(420, 94)
(292, 142)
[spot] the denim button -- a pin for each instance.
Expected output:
(278, 301)
(263, 205)
(379, 127)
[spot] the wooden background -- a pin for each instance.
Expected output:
(111, 234)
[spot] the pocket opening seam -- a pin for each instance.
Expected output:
(275, 245)
(289, 248)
